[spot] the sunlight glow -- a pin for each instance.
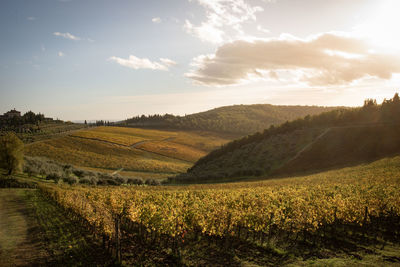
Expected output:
(382, 29)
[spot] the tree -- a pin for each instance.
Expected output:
(11, 152)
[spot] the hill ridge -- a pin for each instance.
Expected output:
(310, 143)
(235, 119)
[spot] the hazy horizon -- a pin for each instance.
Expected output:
(91, 60)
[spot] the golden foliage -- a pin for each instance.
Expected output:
(292, 204)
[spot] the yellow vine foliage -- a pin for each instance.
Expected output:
(292, 204)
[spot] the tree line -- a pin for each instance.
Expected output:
(28, 118)
(237, 119)
(386, 113)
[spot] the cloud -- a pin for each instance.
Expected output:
(223, 20)
(326, 59)
(205, 32)
(262, 29)
(61, 54)
(67, 35)
(156, 20)
(168, 62)
(31, 18)
(144, 63)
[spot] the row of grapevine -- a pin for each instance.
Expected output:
(224, 211)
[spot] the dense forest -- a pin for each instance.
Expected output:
(263, 153)
(238, 119)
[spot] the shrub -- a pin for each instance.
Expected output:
(120, 179)
(152, 182)
(79, 173)
(137, 181)
(53, 176)
(103, 175)
(70, 180)
(30, 170)
(88, 180)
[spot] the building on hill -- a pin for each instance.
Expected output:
(11, 114)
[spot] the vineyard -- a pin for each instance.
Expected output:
(138, 152)
(130, 136)
(358, 201)
(95, 154)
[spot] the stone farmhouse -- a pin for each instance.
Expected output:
(11, 114)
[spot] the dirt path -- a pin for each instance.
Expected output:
(20, 240)
(135, 145)
(35, 232)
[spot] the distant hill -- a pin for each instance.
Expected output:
(336, 138)
(238, 119)
(132, 152)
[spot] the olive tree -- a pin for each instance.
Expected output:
(11, 152)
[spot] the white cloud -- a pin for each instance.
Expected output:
(61, 54)
(168, 62)
(262, 29)
(326, 59)
(144, 63)
(67, 35)
(224, 19)
(206, 32)
(31, 18)
(156, 20)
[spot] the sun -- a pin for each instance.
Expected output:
(382, 25)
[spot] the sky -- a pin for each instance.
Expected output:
(111, 60)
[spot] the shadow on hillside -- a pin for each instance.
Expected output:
(66, 242)
(344, 147)
(377, 243)
(285, 173)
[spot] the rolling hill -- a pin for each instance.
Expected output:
(238, 119)
(337, 138)
(162, 146)
(133, 152)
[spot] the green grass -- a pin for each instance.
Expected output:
(68, 243)
(12, 221)
(35, 232)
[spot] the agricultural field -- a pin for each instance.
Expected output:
(139, 152)
(47, 130)
(332, 215)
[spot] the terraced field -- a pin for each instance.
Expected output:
(132, 151)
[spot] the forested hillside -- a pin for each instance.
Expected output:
(238, 119)
(335, 138)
